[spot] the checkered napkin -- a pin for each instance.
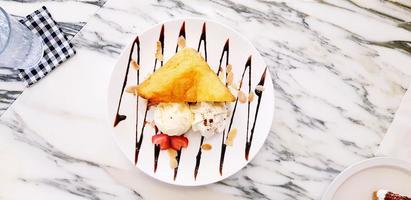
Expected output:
(57, 48)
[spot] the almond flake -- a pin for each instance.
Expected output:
(181, 42)
(159, 55)
(173, 163)
(259, 88)
(241, 97)
(230, 77)
(229, 67)
(251, 96)
(132, 89)
(134, 64)
(172, 153)
(206, 147)
(231, 136)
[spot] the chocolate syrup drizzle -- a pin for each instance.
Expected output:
(156, 147)
(259, 95)
(203, 40)
(225, 52)
(120, 117)
(248, 110)
(137, 99)
(139, 140)
(182, 33)
(223, 145)
(198, 158)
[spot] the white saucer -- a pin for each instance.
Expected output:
(360, 180)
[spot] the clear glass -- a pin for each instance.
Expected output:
(19, 47)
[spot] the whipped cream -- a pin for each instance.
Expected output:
(381, 194)
(209, 118)
(173, 118)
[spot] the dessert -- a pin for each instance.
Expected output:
(185, 93)
(387, 195)
(186, 77)
(186, 80)
(209, 118)
(173, 118)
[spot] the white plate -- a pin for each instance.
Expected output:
(217, 36)
(360, 180)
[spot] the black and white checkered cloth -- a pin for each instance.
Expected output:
(57, 48)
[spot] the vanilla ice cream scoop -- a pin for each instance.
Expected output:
(173, 118)
(209, 118)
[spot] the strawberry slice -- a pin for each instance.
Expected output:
(161, 139)
(178, 142)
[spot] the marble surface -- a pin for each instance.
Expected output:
(340, 69)
(62, 11)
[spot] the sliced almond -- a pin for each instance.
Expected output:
(181, 42)
(173, 163)
(132, 89)
(158, 46)
(172, 153)
(206, 147)
(259, 88)
(159, 55)
(242, 97)
(231, 136)
(134, 64)
(229, 68)
(230, 78)
(251, 96)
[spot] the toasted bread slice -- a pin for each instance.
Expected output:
(186, 77)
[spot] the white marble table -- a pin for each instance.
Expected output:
(340, 69)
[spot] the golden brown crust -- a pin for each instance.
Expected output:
(186, 77)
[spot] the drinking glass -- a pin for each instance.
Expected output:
(19, 47)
